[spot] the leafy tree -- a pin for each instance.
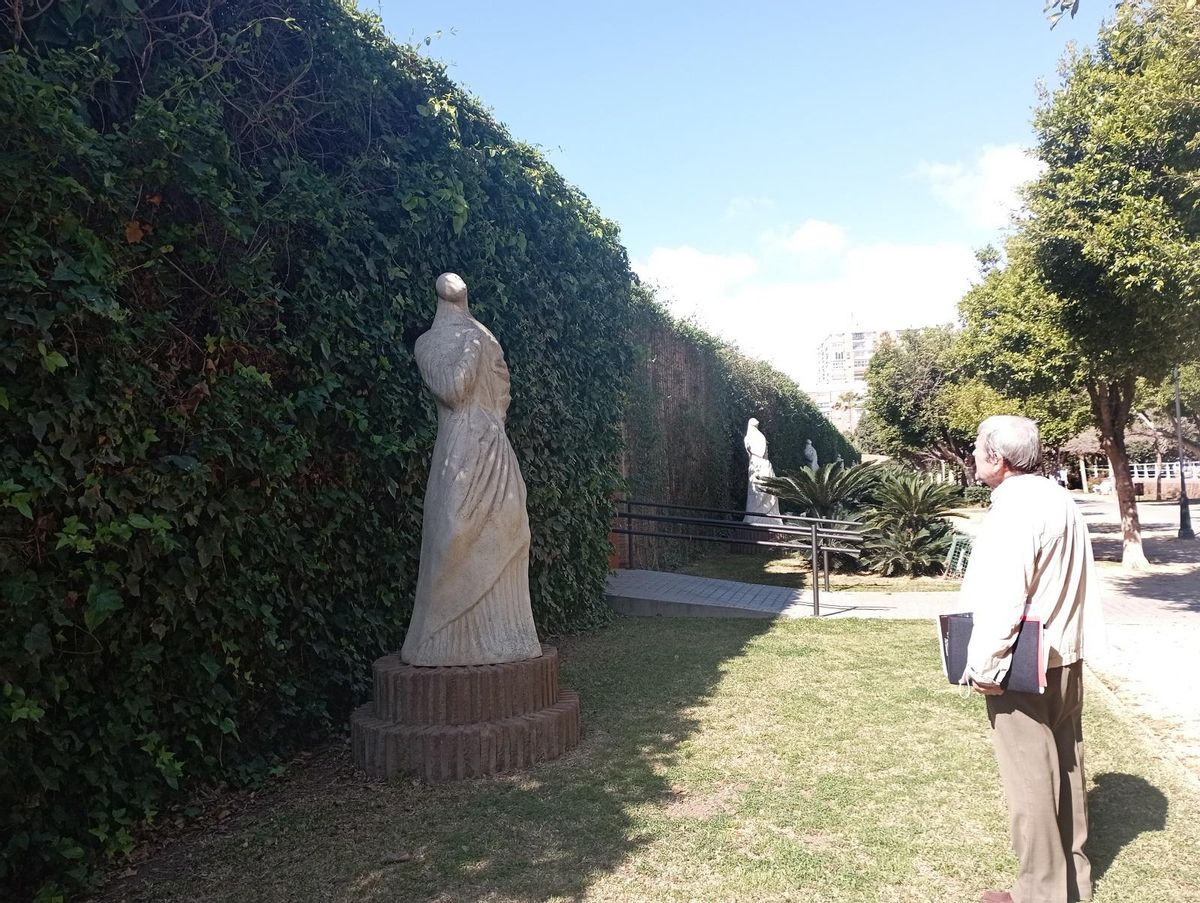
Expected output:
(909, 382)
(1112, 234)
(873, 436)
(1155, 405)
(1054, 10)
(1021, 358)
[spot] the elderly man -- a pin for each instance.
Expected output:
(1033, 557)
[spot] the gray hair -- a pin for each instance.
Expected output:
(1013, 439)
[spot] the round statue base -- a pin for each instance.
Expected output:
(463, 721)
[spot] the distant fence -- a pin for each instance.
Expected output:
(1166, 470)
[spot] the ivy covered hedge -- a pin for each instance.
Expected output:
(690, 397)
(221, 227)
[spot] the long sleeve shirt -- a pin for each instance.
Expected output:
(1033, 556)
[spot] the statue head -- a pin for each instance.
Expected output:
(807, 444)
(452, 289)
(752, 423)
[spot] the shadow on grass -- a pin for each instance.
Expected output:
(328, 834)
(552, 832)
(1120, 807)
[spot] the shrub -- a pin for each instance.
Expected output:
(221, 231)
(907, 551)
(907, 528)
(832, 491)
(977, 495)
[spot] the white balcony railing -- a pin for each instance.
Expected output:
(1168, 471)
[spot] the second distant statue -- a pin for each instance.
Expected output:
(810, 454)
(764, 505)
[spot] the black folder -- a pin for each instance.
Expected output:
(1027, 671)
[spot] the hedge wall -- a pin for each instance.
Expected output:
(221, 227)
(690, 397)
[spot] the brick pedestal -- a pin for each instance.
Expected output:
(446, 724)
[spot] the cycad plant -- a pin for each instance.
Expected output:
(906, 551)
(913, 501)
(832, 492)
(907, 528)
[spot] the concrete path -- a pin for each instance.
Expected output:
(680, 595)
(1152, 656)
(1153, 619)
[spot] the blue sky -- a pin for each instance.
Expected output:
(779, 170)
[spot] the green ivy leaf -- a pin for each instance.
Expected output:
(103, 602)
(53, 361)
(20, 501)
(37, 641)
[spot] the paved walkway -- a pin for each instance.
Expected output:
(1153, 624)
(1153, 618)
(682, 595)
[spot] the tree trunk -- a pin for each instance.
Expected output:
(1111, 402)
(967, 465)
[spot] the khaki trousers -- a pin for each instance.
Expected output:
(1039, 747)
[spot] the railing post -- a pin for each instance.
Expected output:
(825, 564)
(816, 574)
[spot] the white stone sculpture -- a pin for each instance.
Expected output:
(472, 602)
(757, 500)
(810, 454)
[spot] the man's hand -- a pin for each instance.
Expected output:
(986, 687)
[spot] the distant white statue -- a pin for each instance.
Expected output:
(472, 603)
(757, 500)
(810, 454)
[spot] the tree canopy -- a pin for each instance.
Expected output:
(1102, 283)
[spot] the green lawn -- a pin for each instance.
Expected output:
(791, 570)
(723, 760)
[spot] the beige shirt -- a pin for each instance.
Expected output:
(1032, 556)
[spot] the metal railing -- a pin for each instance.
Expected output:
(817, 536)
(958, 555)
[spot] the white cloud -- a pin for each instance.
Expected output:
(985, 191)
(813, 236)
(771, 313)
(693, 281)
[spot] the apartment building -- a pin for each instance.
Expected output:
(841, 390)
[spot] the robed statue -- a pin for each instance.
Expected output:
(810, 455)
(472, 603)
(758, 501)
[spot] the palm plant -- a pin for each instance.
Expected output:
(907, 551)
(912, 501)
(907, 528)
(830, 492)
